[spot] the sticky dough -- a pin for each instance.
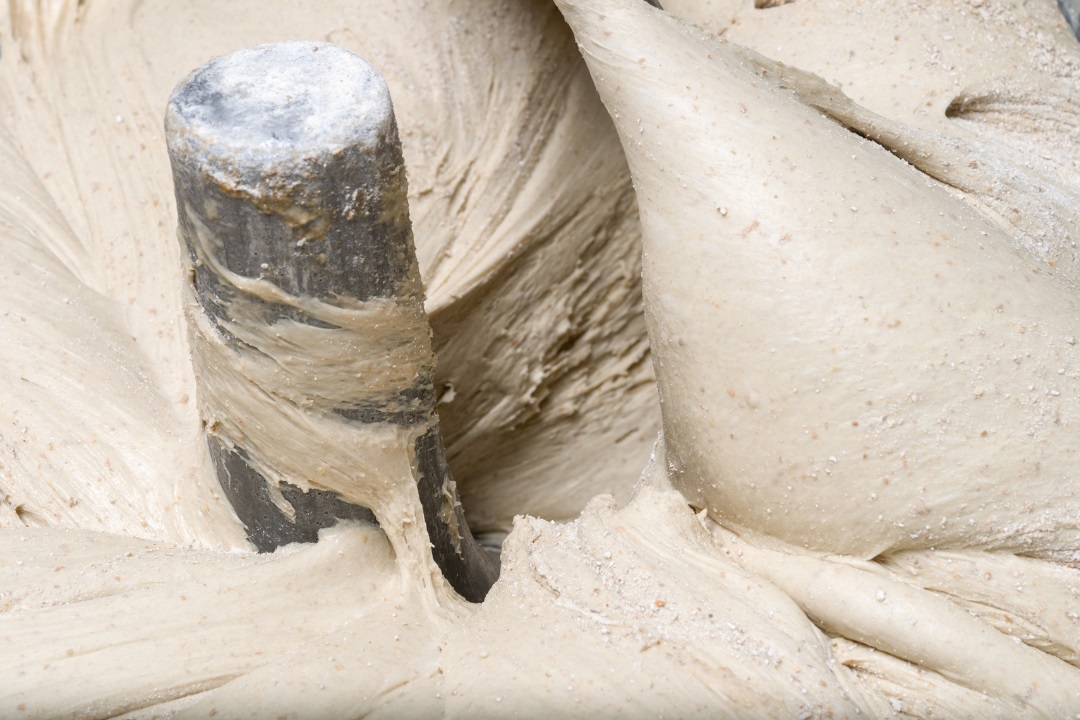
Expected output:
(526, 235)
(273, 393)
(763, 566)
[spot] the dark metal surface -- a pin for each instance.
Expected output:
(469, 567)
(267, 527)
(1071, 10)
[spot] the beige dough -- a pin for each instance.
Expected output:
(877, 372)
(525, 229)
(793, 272)
(997, 80)
(882, 370)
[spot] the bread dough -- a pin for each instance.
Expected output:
(885, 345)
(124, 587)
(523, 217)
(991, 81)
(878, 372)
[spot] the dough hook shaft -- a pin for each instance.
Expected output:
(288, 171)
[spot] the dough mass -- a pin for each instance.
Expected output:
(861, 305)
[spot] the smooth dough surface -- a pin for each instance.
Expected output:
(853, 362)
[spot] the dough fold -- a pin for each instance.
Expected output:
(857, 369)
(849, 358)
